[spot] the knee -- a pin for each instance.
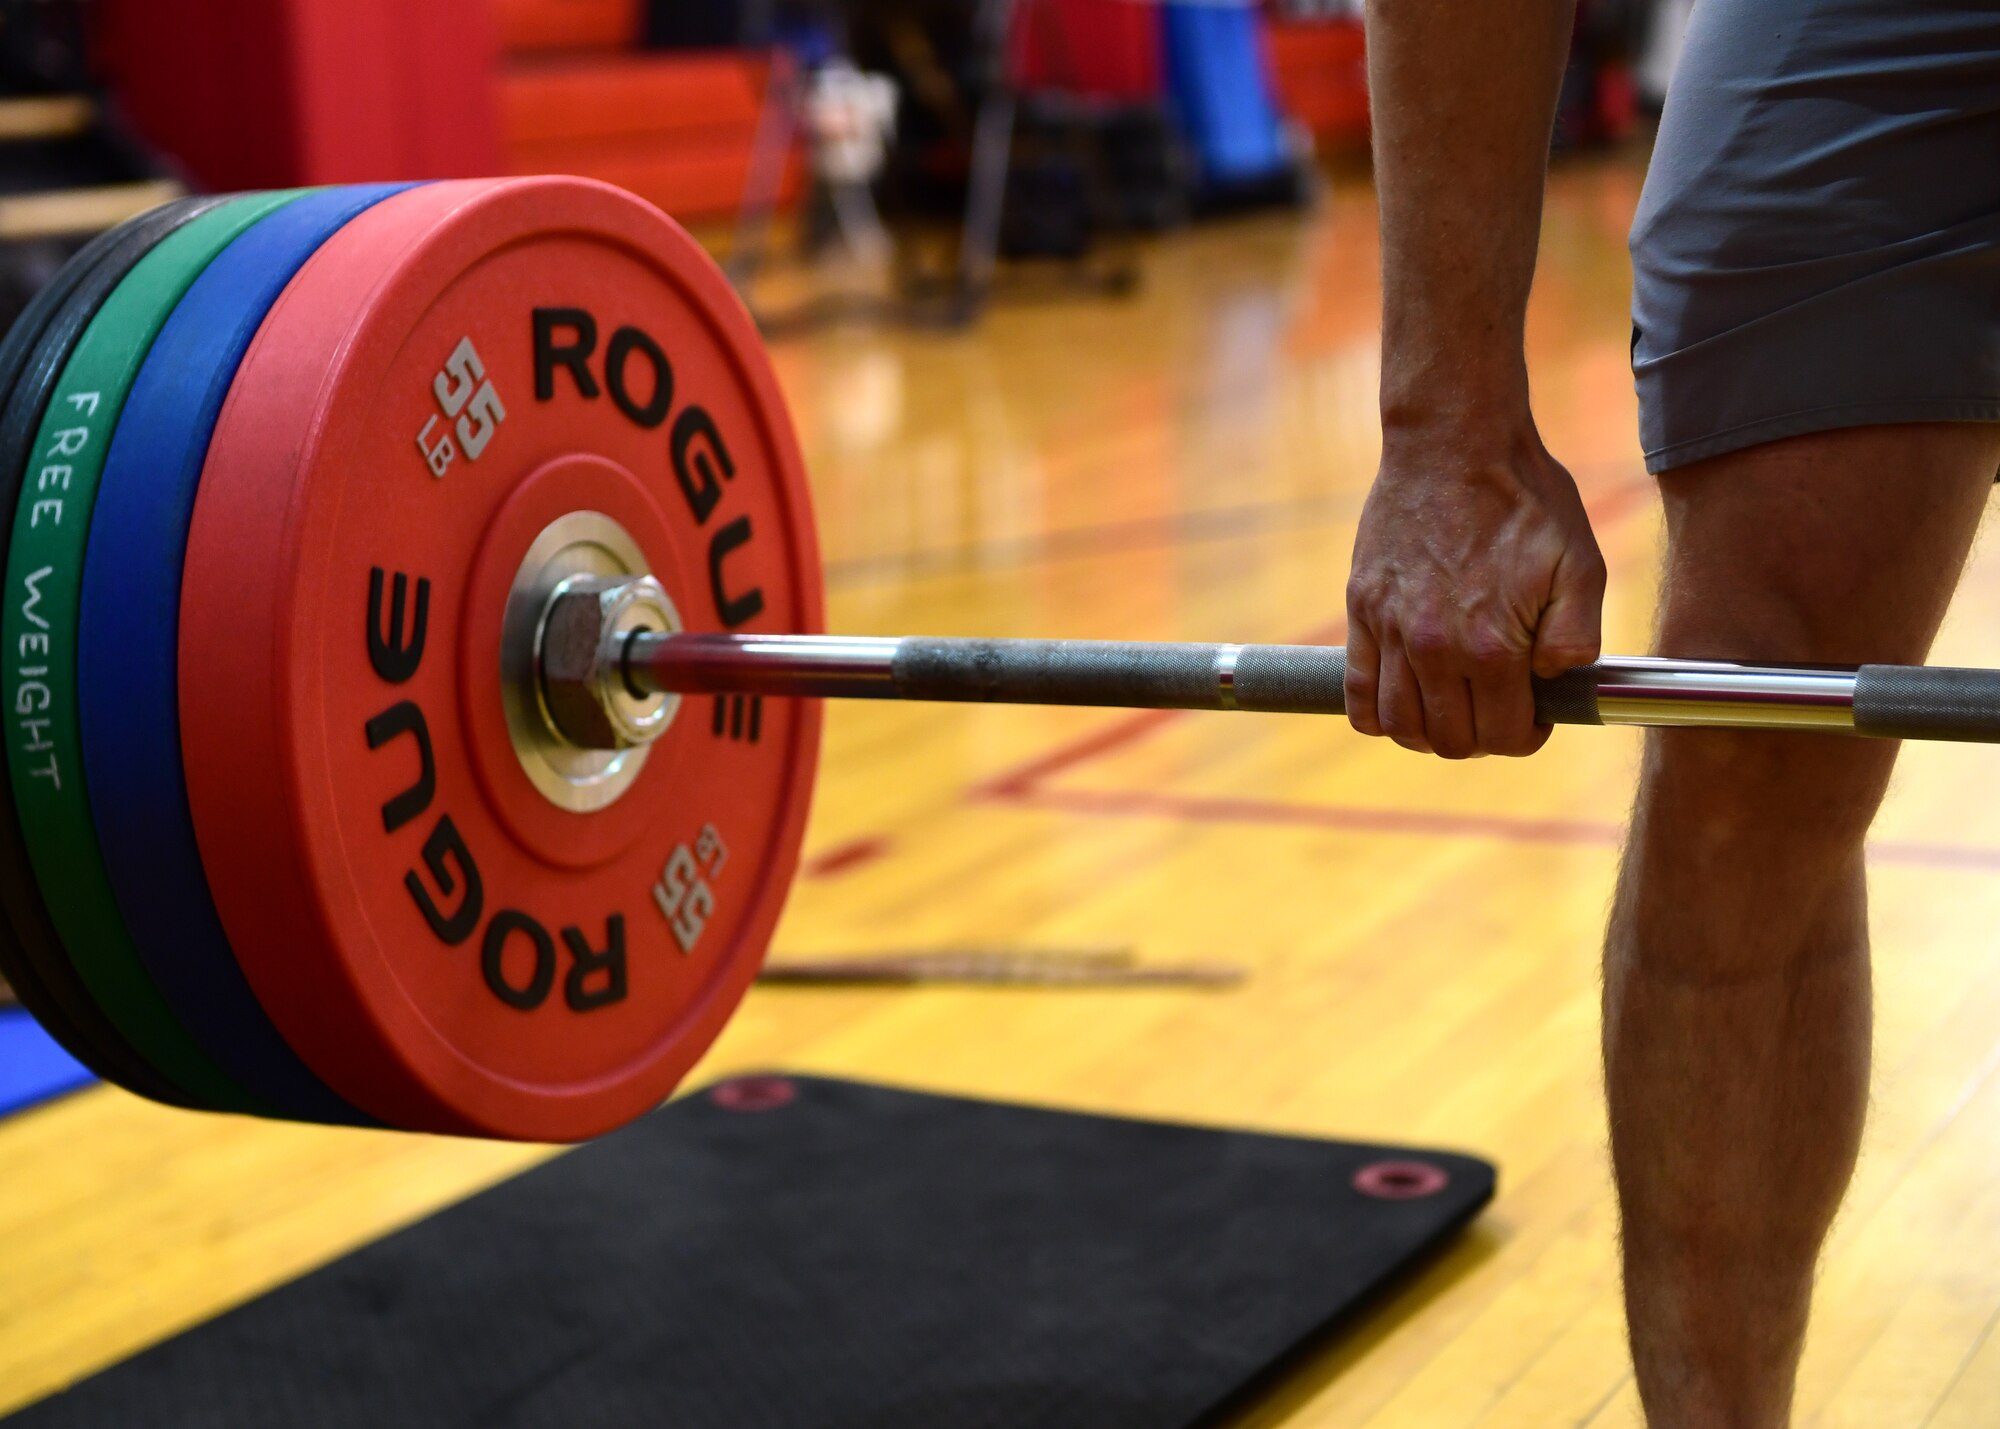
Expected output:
(1745, 862)
(1738, 804)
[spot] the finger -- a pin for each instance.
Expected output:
(1363, 666)
(1503, 707)
(1570, 632)
(1479, 751)
(1399, 702)
(1447, 703)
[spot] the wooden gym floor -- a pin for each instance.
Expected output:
(1420, 939)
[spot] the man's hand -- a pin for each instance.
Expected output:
(1474, 565)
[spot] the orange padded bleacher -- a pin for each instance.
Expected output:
(675, 128)
(632, 96)
(579, 96)
(1320, 69)
(530, 25)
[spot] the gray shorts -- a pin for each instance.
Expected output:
(1818, 244)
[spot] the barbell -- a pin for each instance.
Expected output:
(413, 658)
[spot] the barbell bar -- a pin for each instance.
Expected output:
(1879, 701)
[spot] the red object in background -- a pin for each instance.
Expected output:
(272, 93)
(578, 96)
(568, 24)
(1106, 49)
(676, 128)
(252, 94)
(1320, 68)
(1617, 101)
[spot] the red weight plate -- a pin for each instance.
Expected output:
(450, 378)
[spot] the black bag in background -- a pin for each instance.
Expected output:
(710, 24)
(42, 46)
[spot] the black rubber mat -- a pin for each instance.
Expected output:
(779, 1253)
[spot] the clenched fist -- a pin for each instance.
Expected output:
(1474, 567)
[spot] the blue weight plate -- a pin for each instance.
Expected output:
(31, 359)
(128, 646)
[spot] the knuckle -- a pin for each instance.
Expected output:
(1556, 663)
(1427, 640)
(1507, 731)
(1488, 650)
(1588, 575)
(1399, 725)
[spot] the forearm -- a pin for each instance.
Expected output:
(1464, 95)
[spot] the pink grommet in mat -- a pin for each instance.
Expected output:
(755, 1094)
(1400, 1180)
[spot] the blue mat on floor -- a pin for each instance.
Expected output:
(32, 1067)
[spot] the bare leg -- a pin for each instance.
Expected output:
(1736, 998)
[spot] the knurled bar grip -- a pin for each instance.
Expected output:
(1276, 679)
(1927, 702)
(1272, 679)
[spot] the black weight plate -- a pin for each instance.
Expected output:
(15, 351)
(32, 358)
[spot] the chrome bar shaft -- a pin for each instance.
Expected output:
(1295, 678)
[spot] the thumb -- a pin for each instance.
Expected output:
(1570, 632)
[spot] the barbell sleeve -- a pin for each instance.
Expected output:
(1884, 701)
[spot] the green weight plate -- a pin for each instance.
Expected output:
(31, 358)
(44, 570)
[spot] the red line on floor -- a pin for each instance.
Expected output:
(1619, 502)
(1142, 533)
(845, 858)
(1927, 855)
(1197, 809)
(1507, 828)
(1023, 780)
(1026, 778)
